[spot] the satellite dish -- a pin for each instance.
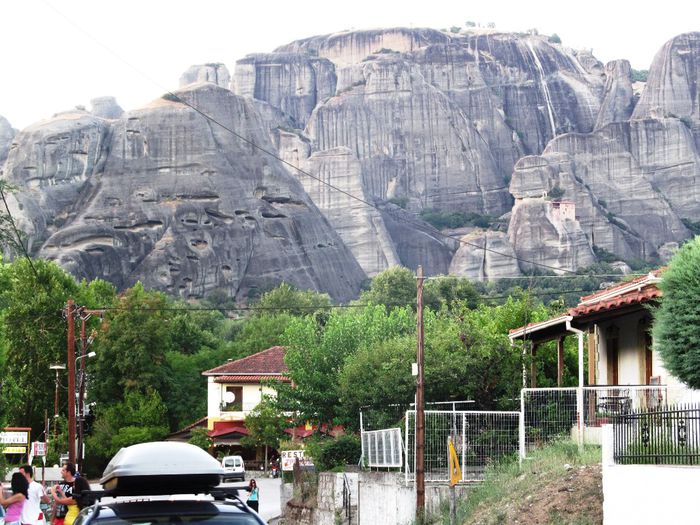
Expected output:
(229, 397)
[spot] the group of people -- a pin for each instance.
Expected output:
(24, 504)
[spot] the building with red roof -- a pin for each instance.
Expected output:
(616, 324)
(237, 387)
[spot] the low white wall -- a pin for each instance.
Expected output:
(647, 494)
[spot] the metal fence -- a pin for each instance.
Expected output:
(553, 413)
(668, 436)
(480, 438)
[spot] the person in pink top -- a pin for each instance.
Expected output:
(15, 503)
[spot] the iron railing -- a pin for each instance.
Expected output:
(666, 436)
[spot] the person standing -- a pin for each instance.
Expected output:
(253, 497)
(31, 514)
(15, 503)
(68, 493)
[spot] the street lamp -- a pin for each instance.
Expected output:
(56, 368)
(81, 396)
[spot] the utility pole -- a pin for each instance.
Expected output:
(420, 402)
(81, 385)
(70, 319)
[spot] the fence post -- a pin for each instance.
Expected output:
(521, 426)
(579, 410)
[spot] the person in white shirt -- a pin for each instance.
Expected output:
(31, 513)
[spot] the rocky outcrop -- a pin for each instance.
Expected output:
(106, 107)
(164, 197)
(618, 100)
(292, 82)
(546, 237)
(7, 133)
(484, 256)
(215, 73)
(672, 85)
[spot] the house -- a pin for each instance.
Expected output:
(237, 387)
(617, 323)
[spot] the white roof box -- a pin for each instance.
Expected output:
(162, 467)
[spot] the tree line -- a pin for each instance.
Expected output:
(145, 380)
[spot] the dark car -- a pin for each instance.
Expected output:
(164, 483)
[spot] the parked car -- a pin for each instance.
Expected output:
(234, 468)
(164, 483)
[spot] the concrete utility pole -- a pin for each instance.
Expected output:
(70, 319)
(420, 402)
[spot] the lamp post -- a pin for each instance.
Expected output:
(56, 368)
(81, 412)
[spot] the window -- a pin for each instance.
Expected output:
(232, 399)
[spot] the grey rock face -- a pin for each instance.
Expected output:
(106, 107)
(165, 197)
(495, 259)
(51, 163)
(542, 233)
(618, 101)
(671, 89)
(7, 133)
(215, 73)
(293, 82)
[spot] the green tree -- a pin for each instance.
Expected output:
(132, 346)
(393, 287)
(140, 417)
(200, 438)
(288, 299)
(35, 337)
(316, 354)
(266, 424)
(677, 320)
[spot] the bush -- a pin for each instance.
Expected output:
(439, 219)
(640, 75)
(455, 29)
(345, 450)
(556, 193)
(554, 39)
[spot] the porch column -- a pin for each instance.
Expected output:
(592, 357)
(560, 361)
(533, 366)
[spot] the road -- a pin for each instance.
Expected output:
(269, 494)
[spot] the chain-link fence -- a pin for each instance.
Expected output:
(480, 438)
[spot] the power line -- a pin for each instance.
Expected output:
(303, 172)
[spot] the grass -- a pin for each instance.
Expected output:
(556, 485)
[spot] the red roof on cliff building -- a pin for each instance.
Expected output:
(268, 364)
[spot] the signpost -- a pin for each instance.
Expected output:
(290, 456)
(15, 440)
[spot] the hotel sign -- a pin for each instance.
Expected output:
(14, 440)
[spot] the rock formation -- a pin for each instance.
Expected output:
(106, 107)
(485, 256)
(165, 197)
(215, 73)
(618, 100)
(7, 133)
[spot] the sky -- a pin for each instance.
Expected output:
(57, 54)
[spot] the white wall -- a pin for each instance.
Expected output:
(647, 494)
(252, 395)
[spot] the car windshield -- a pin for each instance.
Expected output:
(219, 519)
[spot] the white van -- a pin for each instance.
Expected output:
(234, 469)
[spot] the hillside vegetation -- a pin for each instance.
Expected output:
(557, 485)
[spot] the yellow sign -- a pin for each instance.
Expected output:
(455, 470)
(15, 450)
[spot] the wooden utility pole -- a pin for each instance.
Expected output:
(420, 403)
(70, 364)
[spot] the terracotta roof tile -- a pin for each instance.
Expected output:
(251, 378)
(636, 297)
(270, 361)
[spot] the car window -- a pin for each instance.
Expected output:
(228, 463)
(239, 463)
(219, 519)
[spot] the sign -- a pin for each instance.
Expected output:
(453, 461)
(14, 440)
(289, 457)
(38, 448)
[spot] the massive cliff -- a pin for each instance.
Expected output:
(163, 196)
(371, 129)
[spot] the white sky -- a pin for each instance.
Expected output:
(141, 47)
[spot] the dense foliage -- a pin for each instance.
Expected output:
(677, 320)
(145, 381)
